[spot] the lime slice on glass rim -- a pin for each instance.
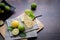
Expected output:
(30, 13)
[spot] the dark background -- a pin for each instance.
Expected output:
(50, 9)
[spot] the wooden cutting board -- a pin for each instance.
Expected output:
(39, 23)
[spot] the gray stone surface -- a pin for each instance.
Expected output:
(28, 34)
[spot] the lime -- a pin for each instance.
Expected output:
(21, 28)
(1, 11)
(2, 5)
(15, 23)
(7, 8)
(1, 22)
(29, 13)
(33, 6)
(15, 31)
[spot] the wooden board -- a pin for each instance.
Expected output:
(2, 30)
(39, 23)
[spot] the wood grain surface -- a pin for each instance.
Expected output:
(39, 23)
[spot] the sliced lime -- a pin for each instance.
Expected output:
(1, 22)
(15, 31)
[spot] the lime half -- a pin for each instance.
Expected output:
(1, 22)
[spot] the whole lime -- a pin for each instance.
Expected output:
(1, 11)
(21, 28)
(33, 6)
(7, 8)
(2, 5)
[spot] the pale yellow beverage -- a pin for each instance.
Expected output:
(28, 21)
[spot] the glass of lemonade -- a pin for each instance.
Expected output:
(28, 21)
